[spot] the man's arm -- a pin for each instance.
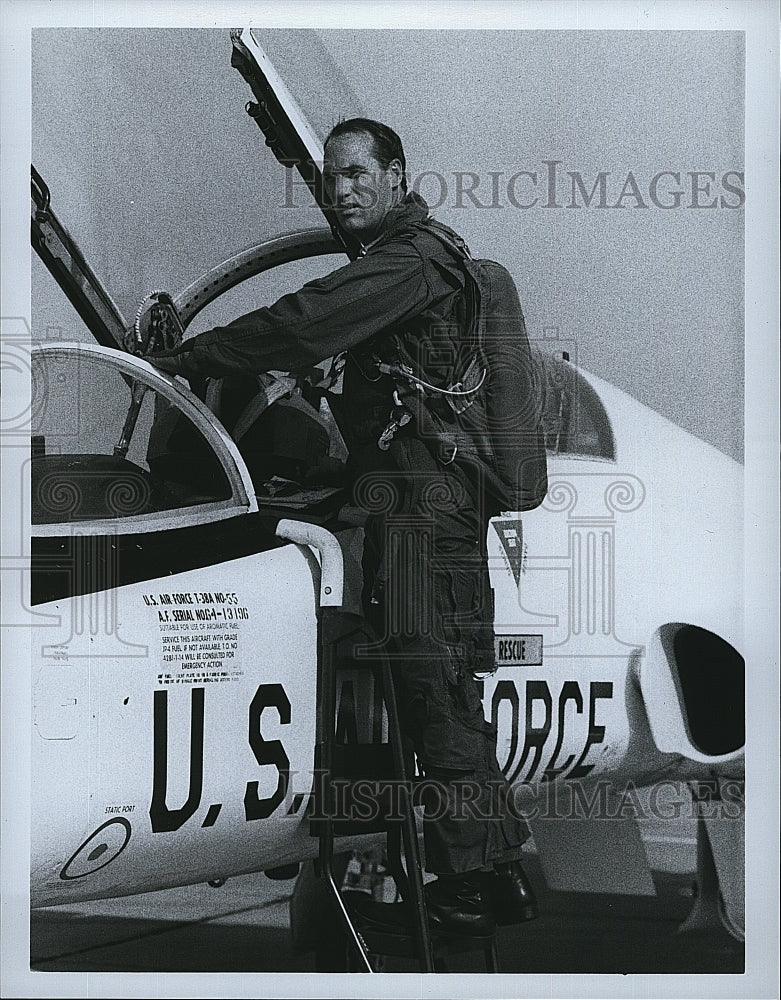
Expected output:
(333, 314)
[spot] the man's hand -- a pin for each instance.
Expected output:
(170, 365)
(179, 361)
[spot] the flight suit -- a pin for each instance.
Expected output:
(426, 587)
(428, 595)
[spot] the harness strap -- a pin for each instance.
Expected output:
(475, 290)
(415, 391)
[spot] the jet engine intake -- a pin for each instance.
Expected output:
(693, 686)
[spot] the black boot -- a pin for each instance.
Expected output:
(508, 891)
(456, 904)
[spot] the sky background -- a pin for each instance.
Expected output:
(159, 174)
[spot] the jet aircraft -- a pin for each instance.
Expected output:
(180, 559)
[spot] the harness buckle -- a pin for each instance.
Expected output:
(449, 461)
(400, 420)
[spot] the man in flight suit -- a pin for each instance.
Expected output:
(425, 567)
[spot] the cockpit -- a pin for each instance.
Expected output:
(574, 418)
(112, 441)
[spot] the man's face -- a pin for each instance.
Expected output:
(361, 191)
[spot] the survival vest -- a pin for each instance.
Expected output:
(490, 413)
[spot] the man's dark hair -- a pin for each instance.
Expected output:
(386, 142)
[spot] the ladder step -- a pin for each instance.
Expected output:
(387, 929)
